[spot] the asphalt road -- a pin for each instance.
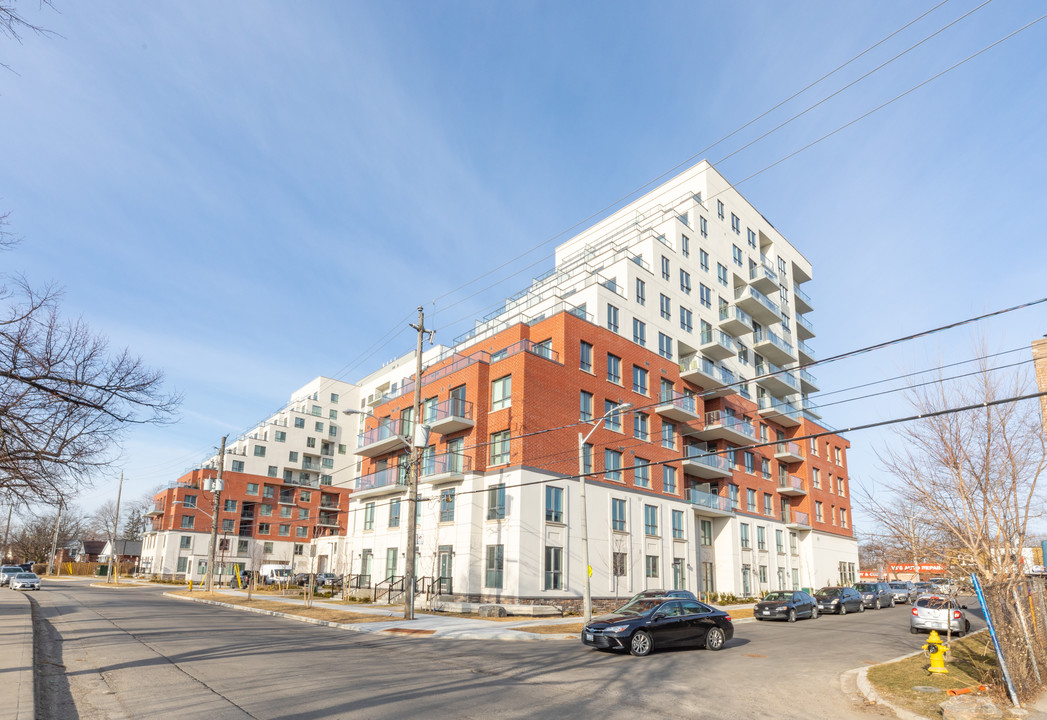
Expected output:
(134, 654)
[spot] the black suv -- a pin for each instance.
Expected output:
(649, 623)
(876, 595)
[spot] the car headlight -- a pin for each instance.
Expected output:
(868, 597)
(835, 601)
(616, 628)
(781, 609)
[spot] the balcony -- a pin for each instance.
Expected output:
(761, 307)
(791, 486)
(381, 440)
(777, 381)
(328, 520)
(810, 408)
(773, 347)
(797, 520)
(803, 300)
(721, 426)
(708, 504)
(718, 345)
(808, 383)
(444, 468)
(679, 408)
(384, 482)
(452, 415)
(700, 463)
(778, 411)
(804, 328)
(788, 452)
(763, 278)
(716, 379)
(735, 320)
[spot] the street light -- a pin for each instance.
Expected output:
(211, 548)
(421, 439)
(587, 603)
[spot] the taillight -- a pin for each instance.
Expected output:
(956, 615)
(915, 613)
(727, 618)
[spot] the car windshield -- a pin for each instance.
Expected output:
(865, 588)
(11, 571)
(778, 597)
(639, 607)
(829, 592)
(933, 603)
(899, 586)
(26, 576)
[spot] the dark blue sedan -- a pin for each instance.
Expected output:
(649, 623)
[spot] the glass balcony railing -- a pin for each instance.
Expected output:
(452, 408)
(802, 295)
(790, 481)
(444, 464)
(704, 499)
(684, 402)
(788, 447)
(718, 418)
(806, 350)
(389, 477)
(758, 272)
(765, 367)
(802, 320)
(732, 312)
(808, 378)
(757, 295)
(761, 336)
(386, 429)
(716, 462)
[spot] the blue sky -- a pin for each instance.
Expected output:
(251, 194)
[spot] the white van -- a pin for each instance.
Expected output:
(272, 574)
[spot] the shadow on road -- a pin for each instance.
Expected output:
(53, 698)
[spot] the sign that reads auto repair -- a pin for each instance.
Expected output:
(924, 567)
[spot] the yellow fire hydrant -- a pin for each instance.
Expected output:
(936, 650)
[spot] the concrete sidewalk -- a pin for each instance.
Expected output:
(16, 656)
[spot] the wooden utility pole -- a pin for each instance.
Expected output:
(54, 543)
(116, 534)
(7, 533)
(416, 440)
(217, 494)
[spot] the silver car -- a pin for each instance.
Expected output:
(934, 612)
(9, 571)
(904, 591)
(25, 581)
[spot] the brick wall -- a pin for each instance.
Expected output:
(1039, 356)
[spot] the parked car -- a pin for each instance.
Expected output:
(273, 574)
(839, 600)
(786, 605)
(935, 612)
(649, 623)
(9, 571)
(25, 581)
(924, 588)
(325, 579)
(904, 591)
(942, 585)
(685, 594)
(876, 595)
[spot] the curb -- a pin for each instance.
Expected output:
(511, 635)
(17, 657)
(117, 586)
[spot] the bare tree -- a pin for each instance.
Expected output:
(961, 488)
(31, 540)
(13, 25)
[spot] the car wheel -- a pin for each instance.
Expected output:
(792, 615)
(876, 605)
(892, 602)
(843, 609)
(641, 644)
(967, 625)
(861, 607)
(814, 613)
(757, 618)
(714, 639)
(914, 631)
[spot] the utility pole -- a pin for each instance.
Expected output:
(116, 534)
(417, 440)
(7, 532)
(217, 495)
(54, 543)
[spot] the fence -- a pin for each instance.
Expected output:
(1019, 614)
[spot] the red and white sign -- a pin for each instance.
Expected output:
(924, 567)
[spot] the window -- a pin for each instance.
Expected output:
(186, 542)
(341, 449)
(706, 528)
(585, 409)
(650, 519)
(705, 296)
(814, 446)
(368, 517)
(832, 514)
(843, 517)
(230, 505)
(614, 419)
(259, 450)
(768, 504)
(553, 568)
(299, 532)
(665, 307)
(792, 544)
(318, 427)
(495, 566)
(394, 513)
(642, 473)
(640, 423)
(305, 495)
(285, 511)
(284, 531)
(585, 355)
(639, 332)
(650, 563)
(736, 253)
(665, 346)
(500, 447)
(686, 319)
(501, 392)
(238, 466)
(639, 380)
(614, 369)
(677, 524)
(292, 456)
(836, 456)
(751, 237)
(187, 522)
(299, 422)
(761, 537)
(669, 479)
(553, 504)
(736, 224)
(818, 514)
(587, 458)
(641, 291)
(665, 268)
(612, 318)
(732, 493)
(281, 436)
(619, 564)
(721, 274)
(685, 245)
(749, 460)
(612, 464)
(267, 547)
(668, 435)
(779, 542)
(703, 228)
(763, 574)
(816, 478)
(265, 510)
(743, 529)
(841, 487)
(447, 505)
(719, 209)
(252, 488)
(750, 500)
(268, 491)
(618, 514)
(496, 502)
(765, 466)
(685, 282)
(310, 442)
